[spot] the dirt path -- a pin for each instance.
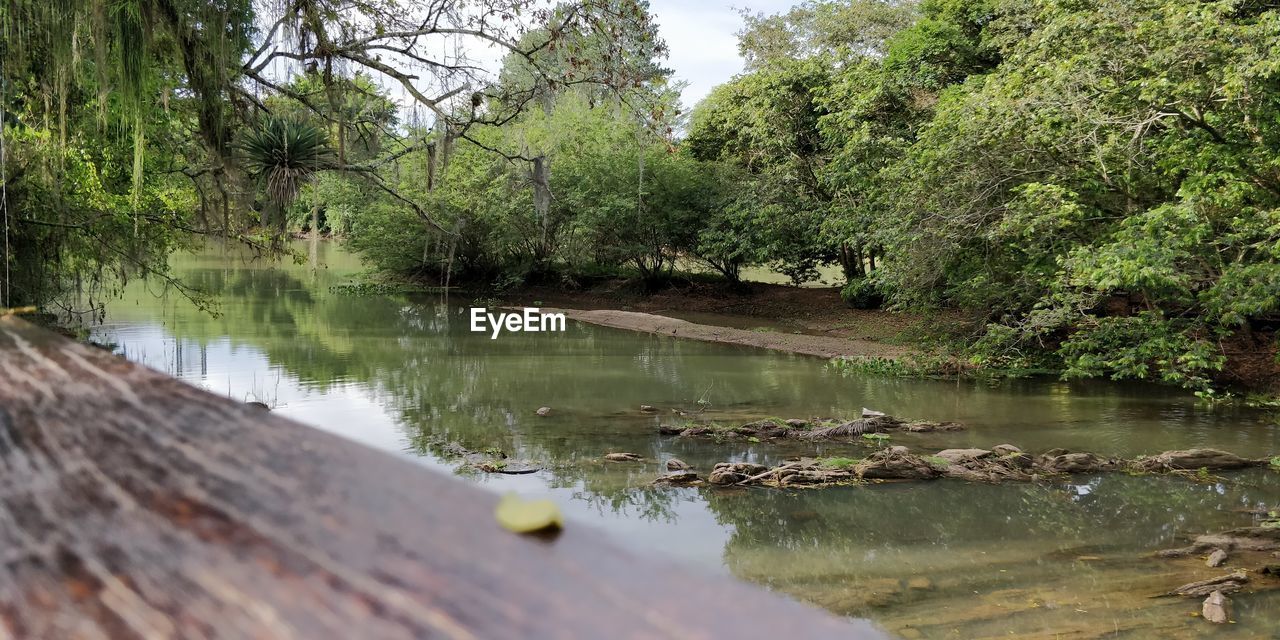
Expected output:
(815, 345)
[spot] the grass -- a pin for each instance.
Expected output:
(877, 437)
(840, 463)
(935, 461)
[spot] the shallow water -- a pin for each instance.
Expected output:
(943, 559)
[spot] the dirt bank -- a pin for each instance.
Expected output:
(826, 346)
(754, 306)
(811, 321)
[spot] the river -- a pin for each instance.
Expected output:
(937, 560)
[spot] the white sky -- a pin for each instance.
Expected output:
(701, 35)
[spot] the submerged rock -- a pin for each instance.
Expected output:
(763, 429)
(726, 473)
(1004, 463)
(1195, 459)
(504, 467)
(1241, 539)
(928, 427)
(1229, 583)
(1063, 461)
(622, 457)
(957, 456)
(543, 411)
(1217, 558)
(676, 464)
(681, 478)
(799, 429)
(1216, 608)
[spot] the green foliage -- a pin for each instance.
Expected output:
(284, 153)
(909, 366)
(1086, 179)
(1092, 185)
(862, 293)
(837, 462)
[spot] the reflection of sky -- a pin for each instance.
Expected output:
(352, 410)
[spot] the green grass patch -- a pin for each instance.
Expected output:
(840, 463)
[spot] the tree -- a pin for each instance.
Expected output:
(185, 80)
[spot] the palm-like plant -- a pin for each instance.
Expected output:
(283, 154)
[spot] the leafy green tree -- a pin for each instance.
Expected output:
(1107, 192)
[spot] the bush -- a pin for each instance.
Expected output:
(861, 293)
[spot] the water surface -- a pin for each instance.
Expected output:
(944, 559)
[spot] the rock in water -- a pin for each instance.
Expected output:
(621, 457)
(727, 473)
(544, 411)
(676, 464)
(1229, 583)
(1216, 608)
(1192, 459)
(957, 456)
(1217, 558)
(870, 413)
(647, 408)
(679, 478)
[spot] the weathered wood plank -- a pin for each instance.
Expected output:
(133, 505)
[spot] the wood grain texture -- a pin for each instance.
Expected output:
(135, 506)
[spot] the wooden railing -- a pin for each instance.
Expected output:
(133, 505)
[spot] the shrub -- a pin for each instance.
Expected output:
(862, 293)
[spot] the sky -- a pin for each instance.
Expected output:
(701, 35)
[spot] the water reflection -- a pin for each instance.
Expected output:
(938, 560)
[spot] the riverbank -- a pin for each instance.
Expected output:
(786, 318)
(810, 321)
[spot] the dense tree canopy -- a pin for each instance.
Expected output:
(131, 124)
(1093, 184)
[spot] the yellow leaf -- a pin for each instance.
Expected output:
(527, 516)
